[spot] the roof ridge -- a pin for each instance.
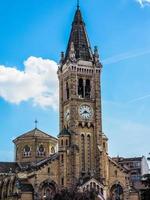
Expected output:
(117, 164)
(33, 131)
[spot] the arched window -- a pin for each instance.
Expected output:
(87, 89)
(67, 90)
(48, 170)
(62, 181)
(80, 88)
(104, 146)
(89, 151)
(116, 192)
(62, 142)
(62, 158)
(52, 150)
(83, 152)
(27, 151)
(47, 190)
(41, 150)
(66, 142)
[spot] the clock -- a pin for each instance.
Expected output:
(85, 112)
(67, 114)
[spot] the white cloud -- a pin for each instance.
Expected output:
(143, 2)
(125, 56)
(139, 98)
(38, 83)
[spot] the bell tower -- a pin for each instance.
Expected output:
(80, 137)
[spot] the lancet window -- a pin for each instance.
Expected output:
(84, 88)
(89, 152)
(27, 151)
(80, 88)
(87, 89)
(41, 150)
(83, 152)
(67, 90)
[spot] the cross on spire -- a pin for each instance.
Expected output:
(36, 123)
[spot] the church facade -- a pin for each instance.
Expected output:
(79, 157)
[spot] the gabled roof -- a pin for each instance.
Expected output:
(117, 165)
(37, 165)
(36, 133)
(79, 38)
(12, 167)
(8, 167)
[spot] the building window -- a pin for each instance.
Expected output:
(52, 150)
(66, 142)
(89, 151)
(67, 90)
(27, 151)
(137, 164)
(62, 158)
(80, 88)
(84, 88)
(87, 89)
(41, 150)
(62, 142)
(62, 181)
(116, 173)
(83, 152)
(48, 170)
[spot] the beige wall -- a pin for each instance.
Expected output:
(27, 196)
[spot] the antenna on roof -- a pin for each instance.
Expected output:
(36, 123)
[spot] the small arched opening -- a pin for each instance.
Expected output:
(47, 190)
(116, 192)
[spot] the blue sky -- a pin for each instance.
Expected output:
(32, 35)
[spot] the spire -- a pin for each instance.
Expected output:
(78, 4)
(79, 38)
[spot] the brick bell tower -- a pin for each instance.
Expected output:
(80, 138)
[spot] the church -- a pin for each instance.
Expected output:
(79, 156)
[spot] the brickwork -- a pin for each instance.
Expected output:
(82, 159)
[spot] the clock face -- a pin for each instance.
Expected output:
(85, 112)
(67, 114)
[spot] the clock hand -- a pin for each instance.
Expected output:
(85, 112)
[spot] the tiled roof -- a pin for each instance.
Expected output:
(30, 166)
(121, 159)
(79, 38)
(12, 167)
(35, 133)
(8, 167)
